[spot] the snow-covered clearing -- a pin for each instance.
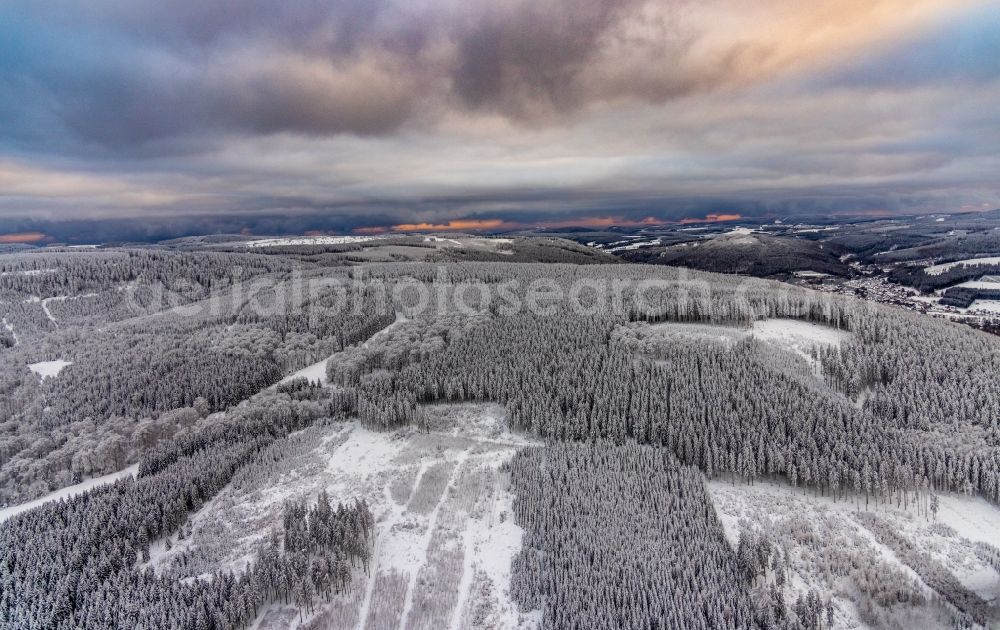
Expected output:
(315, 373)
(68, 492)
(26, 272)
(445, 536)
(439, 239)
(636, 245)
(798, 337)
(310, 240)
(495, 245)
(47, 369)
(982, 283)
(936, 270)
(984, 306)
(815, 529)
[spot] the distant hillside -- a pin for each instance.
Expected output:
(745, 252)
(442, 248)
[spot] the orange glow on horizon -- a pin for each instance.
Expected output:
(21, 237)
(494, 224)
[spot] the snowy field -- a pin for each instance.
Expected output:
(445, 534)
(983, 306)
(797, 337)
(68, 492)
(936, 270)
(27, 272)
(818, 532)
(982, 283)
(309, 240)
(496, 245)
(49, 369)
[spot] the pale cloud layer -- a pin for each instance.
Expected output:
(386, 112)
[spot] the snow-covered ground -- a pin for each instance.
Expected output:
(670, 331)
(27, 272)
(68, 492)
(317, 371)
(495, 245)
(813, 528)
(634, 246)
(438, 239)
(798, 337)
(980, 284)
(49, 369)
(445, 536)
(936, 270)
(983, 306)
(310, 240)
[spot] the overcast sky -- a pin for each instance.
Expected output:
(397, 114)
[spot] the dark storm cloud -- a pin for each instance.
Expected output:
(126, 73)
(374, 113)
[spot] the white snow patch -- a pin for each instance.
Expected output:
(314, 373)
(310, 240)
(365, 452)
(636, 245)
(440, 239)
(797, 332)
(791, 335)
(980, 284)
(972, 517)
(26, 272)
(68, 492)
(936, 270)
(47, 369)
(984, 306)
(799, 337)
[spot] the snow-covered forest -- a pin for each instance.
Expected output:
(484, 445)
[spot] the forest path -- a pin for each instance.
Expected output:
(61, 298)
(396, 512)
(317, 371)
(69, 491)
(425, 542)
